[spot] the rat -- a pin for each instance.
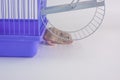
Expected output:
(55, 36)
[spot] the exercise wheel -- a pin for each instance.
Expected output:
(80, 18)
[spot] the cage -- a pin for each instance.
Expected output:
(20, 27)
(23, 22)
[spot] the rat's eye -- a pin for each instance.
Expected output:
(61, 34)
(68, 37)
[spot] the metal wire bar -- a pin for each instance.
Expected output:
(13, 9)
(23, 3)
(3, 14)
(93, 24)
(34, 15)
(100, 13)
(39, 16)
(96, 21)
(28, 17)
(98, 17)
(18, 12)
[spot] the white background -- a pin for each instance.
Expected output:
(95, 58)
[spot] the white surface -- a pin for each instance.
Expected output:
(95, 58)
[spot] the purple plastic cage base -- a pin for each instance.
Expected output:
(18, 48)
(20, 44)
